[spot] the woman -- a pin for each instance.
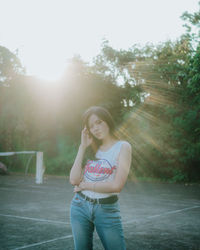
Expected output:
(97, 185)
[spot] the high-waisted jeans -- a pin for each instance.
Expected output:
(85, 216)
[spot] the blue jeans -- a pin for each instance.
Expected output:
(85, 216)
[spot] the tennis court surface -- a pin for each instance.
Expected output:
(155, 216)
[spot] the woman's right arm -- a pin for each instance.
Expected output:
(76, 170)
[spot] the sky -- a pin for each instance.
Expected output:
(47, 33)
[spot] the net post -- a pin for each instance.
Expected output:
(39, 168)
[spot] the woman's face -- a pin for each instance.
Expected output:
(98, 128)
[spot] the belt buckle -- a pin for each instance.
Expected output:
(93, 200)
(84, 197)
(90, 199)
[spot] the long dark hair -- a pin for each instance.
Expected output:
(105, 116)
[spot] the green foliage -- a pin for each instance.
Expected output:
(192, 25)
(178, 176)
(62, 161)
(10, 66)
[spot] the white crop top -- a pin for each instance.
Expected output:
(103, 169)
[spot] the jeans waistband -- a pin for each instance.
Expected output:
(107, 200)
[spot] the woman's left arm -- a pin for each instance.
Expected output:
(119, 181)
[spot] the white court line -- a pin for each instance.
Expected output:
(34, 219)
(158, 215)
(43, 242)
(173, 212)
(36, 189)
(183, 202)
(21, 189)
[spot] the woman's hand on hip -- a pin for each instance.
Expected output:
(80, 187)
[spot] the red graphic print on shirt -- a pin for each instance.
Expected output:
(98, 170)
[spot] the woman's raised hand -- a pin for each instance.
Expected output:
(86, 139)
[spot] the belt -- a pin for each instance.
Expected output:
(107, 200)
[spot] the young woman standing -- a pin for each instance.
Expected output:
(98, 183)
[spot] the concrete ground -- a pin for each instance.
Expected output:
(155, 216)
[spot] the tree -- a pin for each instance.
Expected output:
(10, 66)
(192, 25)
